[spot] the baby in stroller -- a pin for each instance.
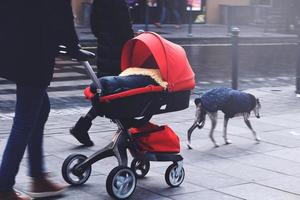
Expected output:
(159, 82)
(130, 78)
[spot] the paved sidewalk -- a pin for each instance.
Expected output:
(243, 170)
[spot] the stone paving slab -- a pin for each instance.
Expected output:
(208, 194)
(270, 163)
(252, 191)
(285, 183)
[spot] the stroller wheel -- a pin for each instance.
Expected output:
(173, 176)
(140, 167)
(68, 170)
(121, 182)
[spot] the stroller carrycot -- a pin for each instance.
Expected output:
(170, 59)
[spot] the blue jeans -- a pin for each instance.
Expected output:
(174, 8)
(31, 114)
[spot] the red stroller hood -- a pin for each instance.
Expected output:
(151, 50)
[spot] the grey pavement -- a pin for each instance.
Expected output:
(242, 170)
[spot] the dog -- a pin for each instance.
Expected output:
(232, 103)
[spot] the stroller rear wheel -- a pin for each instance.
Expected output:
(140, 167)
(174, 176)
(121, 182)
(68, 170)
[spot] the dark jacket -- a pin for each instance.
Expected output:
(230, 101)
(29, 37)
(111, 25)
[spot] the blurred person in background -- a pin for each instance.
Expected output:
(167, 6)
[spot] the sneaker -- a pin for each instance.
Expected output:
(12, 195)
(42, 187)
(80, 131)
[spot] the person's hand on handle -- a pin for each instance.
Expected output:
(81, 55)
(77, 53)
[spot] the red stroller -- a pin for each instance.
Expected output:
(131, 111)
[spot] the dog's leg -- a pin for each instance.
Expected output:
(213, 117)
(246, 119)
(195, 125)
(190, 131)
(226, 119)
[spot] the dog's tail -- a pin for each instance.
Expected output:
(202, 113)
(202, 119)
(199, 122)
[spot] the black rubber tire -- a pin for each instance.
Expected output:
(66, 170)
(168, 175)
(110, 181)
(141, 165)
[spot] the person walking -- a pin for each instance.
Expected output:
(30, 36)
(172, 5)
(111, 25)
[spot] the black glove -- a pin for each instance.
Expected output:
(81, 55)
(76, 53)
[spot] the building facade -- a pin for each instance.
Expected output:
(273, 15)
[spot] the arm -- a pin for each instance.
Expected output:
(62, 22)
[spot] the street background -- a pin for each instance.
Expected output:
(242, 170)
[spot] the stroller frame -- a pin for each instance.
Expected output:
(79, 166)
(122, 141)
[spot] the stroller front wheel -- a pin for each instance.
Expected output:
(174, 176)
(121, 182)
(140, 167)
(68, 170)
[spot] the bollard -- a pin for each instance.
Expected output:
(190, 9)
(235, 31)
(147, 17)
(229, 19)
(298, 60)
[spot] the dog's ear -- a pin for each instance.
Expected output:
(197, 101)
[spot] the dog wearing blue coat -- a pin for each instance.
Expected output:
(232, 103)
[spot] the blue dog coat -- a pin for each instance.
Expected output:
(229, 101)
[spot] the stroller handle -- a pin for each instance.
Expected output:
(92, 75)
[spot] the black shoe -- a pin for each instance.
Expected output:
(80, 131)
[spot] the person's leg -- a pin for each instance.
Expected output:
(35, 144)
(28, 106)
(175, 10)
(41, 184)
(163, 12)
(82, 126)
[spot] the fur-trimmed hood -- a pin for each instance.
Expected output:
(153, 73)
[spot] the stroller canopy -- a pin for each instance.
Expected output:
(149, 50)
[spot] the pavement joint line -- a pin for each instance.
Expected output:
(194, 192)
(281, 158)
(264, 141)
(293, 193)
(278, 172)
(228, 194)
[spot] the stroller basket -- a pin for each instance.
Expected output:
(156, 139)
